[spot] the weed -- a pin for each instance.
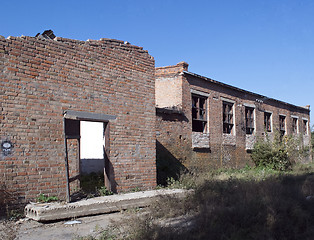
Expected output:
(102, 234)
(45, 199)
(103, 191)
(107, 235)
(15, 214)
(136, 189)
(186, 181)
(172, 183)
(159, 187)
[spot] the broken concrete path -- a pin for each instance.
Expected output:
(97, 205)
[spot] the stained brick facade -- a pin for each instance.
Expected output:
(232, 120)
(50, 84)
(40, 79)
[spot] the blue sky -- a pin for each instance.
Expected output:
(264, 46)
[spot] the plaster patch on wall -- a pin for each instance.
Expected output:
(249, 141)
(200, 140)
(228, 139)
(306, 140)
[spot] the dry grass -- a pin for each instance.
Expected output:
(234, 204)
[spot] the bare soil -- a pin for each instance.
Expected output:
(27, 229)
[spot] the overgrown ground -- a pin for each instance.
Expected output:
(248, 203)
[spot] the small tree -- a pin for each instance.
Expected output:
(279, 154)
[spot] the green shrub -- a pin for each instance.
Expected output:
(103, 191)
(281, 153)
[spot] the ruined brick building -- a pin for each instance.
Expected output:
(72, 107)
(202, 123)
(49, 88)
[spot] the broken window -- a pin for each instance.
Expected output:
(294, 125)
(199, 116)
(267, 121)
(282, 124)
(227, 117)
(305, 132)
(249, 120)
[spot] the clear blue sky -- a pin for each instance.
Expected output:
(264, 46)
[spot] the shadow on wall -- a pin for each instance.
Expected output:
(92, 165)
(9, 201)
(168, 166)
(111, 174)
(171, 115)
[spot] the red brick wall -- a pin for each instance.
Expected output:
(40, 79)
(224, 149)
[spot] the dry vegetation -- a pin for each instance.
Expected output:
(235, 204)
(273, 200)
(249, 203)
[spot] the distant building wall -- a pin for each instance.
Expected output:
(40, 79)
(216, 145)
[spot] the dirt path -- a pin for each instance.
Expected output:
(27, 229)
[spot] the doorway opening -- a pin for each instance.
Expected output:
(86, 155)
(92, 156)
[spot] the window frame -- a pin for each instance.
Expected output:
(305, 127)
(282, 124)
(294, 124)
(249, 128)
(268, 121)
(228, 117)
(199, 112)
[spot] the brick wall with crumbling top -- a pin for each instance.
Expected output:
(41, 78)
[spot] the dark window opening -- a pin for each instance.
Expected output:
(199, 116)
(267, 121)
(282, 124)
(227, 117)
(294, 125)
(305, 127)
(249, 120)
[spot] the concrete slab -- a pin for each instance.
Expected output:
(97, 205)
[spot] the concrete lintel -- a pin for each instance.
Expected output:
(98, 205)
(193, 91)
(78, 115)
(249, 105)
(227, 100)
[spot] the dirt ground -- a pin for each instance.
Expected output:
(27, 229)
